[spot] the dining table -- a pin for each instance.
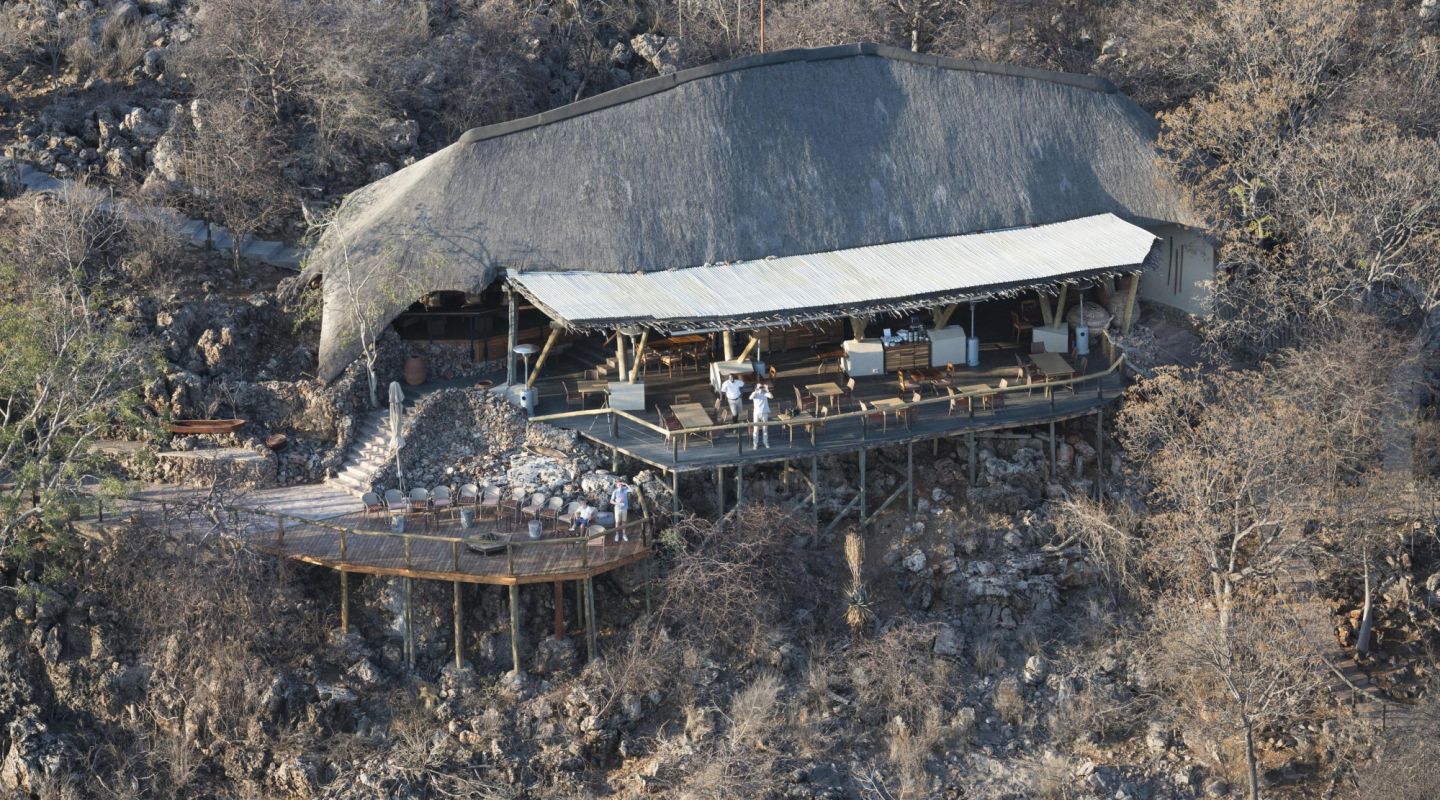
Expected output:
(691, 416)
(826, 391)
(587, 388)
(891, 405)
(976, 391)
(1052, 367)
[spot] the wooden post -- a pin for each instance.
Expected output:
(515, 629)
(719, 492)
(614, 459)
(409, 627)
(580, 603)
(943, 315)
(1060, 305)
(749, 346)
(1128, 317)
(739, 489)
(513, 319)
(970, 442)
(639, 355)
(459, 620)
(1046, 316)
(727, 339)
(620, 355)
(544, 354)
(344, 602)
(674, 496)
(590, 620)
(1054, 468)
(815, 499)
(559, 610)
(864, 523)
(910, 479)
(1099, 455)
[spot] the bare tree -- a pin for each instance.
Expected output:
(1232, 677)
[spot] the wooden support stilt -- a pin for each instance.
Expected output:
(1128, 317)
(409, 626)
(815, 498)
(590, 598)
(1099, 455)
(910, 480)
(459, 619)
(749, 347)
(515, 629)
(719, 492)
(620, 360)
(580, 604)
(559, 610)
(639, 356)
(864, 519)
(544, 356)
(513, 331)
(674, 497)
(614, 459)
(970, 443)
(344, 603)
(1054, 468)
(1060, 305)
(739, 489)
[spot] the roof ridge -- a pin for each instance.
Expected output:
(662, 83)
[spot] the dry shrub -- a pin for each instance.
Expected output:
(987, 655)
(755, 710)
(895, 674)
(1048, 776)
(910, 751)
(1010, 701)
(731, 587)
(1093, 710)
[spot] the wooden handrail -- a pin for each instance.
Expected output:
(803, 421)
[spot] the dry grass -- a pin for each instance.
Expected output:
(987, 655)
(1048, 776)
(1009, 701)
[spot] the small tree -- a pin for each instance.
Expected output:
(367, 298)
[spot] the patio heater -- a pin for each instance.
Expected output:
(527, 397)
(1082, 330)
(631, 332)
(972, 344)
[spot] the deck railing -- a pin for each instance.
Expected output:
(908, 410)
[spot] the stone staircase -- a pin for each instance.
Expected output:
(367, 455)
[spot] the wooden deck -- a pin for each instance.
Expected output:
(323, 526)
(849, 433)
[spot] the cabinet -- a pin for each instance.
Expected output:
(907, 356)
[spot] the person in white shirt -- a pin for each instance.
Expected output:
(620, 501)
(583, 515)
(733, 388)
(761, 398)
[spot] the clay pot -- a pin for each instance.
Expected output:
(415, 370)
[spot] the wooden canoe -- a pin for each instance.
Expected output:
(192, 426)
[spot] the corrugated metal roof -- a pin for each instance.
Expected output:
(794, 288)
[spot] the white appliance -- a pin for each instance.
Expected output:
(1082, 340)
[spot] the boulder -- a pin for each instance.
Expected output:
(662, 52)
(400, 135)
(949, 642)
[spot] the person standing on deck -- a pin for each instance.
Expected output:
(733, 388)
(620, 500)
(761, 398)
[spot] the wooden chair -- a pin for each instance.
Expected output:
(958, 402)
(802, 402)
(674, 359)
(682, 397)
(873, 414)
(771, 372)
(373, 504)
(1022, 326)
(1037, 347)
(997, 401)
(912, 411)
(572, 394)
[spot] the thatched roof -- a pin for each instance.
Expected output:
(795, 152)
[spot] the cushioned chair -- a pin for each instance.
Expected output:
(469, 496)
(419, 499)
(373, 504)
(490, 500)
(395, 500)
(440, 497)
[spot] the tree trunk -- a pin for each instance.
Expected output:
(1254, 769)
(1367, 617)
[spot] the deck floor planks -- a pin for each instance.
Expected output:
(369, 548)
